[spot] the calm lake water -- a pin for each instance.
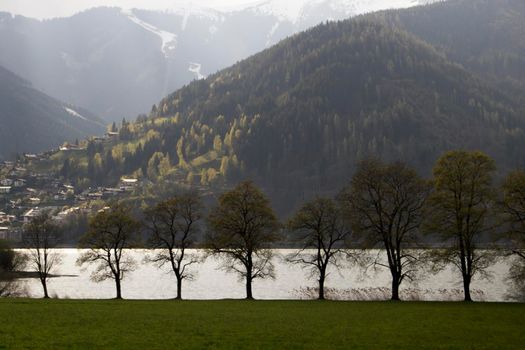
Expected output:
(291, 282)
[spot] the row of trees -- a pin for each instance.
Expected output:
(386, 205)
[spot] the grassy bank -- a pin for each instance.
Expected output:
(259, 325)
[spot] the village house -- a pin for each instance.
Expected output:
(66, 212)
(113, 191)
(34, 200)
(6, 219)
(11, 234)
(4, 232)
(5, 189)
(17, 171)
(95, 195)
(30, 214)
(56, 184)
(6, 182)
(31, 190)
(128, 184)
(80, 197)
(19, 183)
(60, 195)
(30, 156)
(97, 139)
(70, 147)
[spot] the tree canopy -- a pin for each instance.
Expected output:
(242, 229)
(111, 232)
(459, 210)
(384, 204)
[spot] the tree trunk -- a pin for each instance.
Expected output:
(321, 287)
(249, 295)
(44, 285)
(466, 288)
(249, 277)
(117, 284)
(179, 288)
(395, 288)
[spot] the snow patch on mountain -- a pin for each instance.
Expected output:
(75, 113)
(366, 6)
(169, 40)
(195, 68)
(289, 10)
(195, 11)
(213, 30)
(296, 10)
(269, 37)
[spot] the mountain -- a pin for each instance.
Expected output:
(486, 37)
(31, 121)
(118, 63)
(298, 116)
(305, 13)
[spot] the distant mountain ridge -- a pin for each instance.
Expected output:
(118, 63)
(31, 121)
(298, 116)
(485, 36)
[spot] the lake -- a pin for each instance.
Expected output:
(291, 282)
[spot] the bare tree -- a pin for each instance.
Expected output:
(458, 210)
(320, 229)
(384, 205)
(242, 228)
(11, 262)
(513, 208)
(173, 224)
(110, 233)
(41, 236)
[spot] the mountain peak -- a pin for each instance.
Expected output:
(295, 10)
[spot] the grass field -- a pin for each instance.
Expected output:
(259, 325)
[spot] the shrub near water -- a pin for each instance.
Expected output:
(383, 293)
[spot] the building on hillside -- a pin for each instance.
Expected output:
(31, 190)
(97, 139)
(70, 147)
(30, 156)
(61, 195)
(66, 212)
(34, 200)
(6, 182)
(95, 195)
(4, 232)
(30, 214)
(5, 189)
(19, 183)
(112, 191)
(6, 219)
(10, 234)
(128, 184)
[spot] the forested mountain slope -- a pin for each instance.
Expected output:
(485, 36)
(297, 116)
(344, 90)
(31, 121)
(117, 63)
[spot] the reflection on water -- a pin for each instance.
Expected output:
(292, 282)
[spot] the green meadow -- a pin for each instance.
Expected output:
(237, 324)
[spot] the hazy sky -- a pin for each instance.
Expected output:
(61, 8)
